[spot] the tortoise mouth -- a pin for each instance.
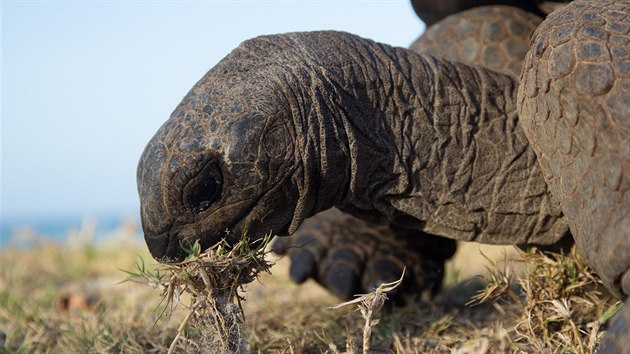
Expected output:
(164, 247)
(171, 245)
(228, 221)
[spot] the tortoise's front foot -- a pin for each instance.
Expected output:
(349, 256)
(617, 338)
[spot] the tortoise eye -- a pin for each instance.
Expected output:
(206, 187)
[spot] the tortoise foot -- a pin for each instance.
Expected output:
(348, 256)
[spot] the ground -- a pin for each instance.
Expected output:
(73, 297)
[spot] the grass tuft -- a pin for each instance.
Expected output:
(565, 304)
(213, 280)
(560, 302)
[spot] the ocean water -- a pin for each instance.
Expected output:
(26, 231)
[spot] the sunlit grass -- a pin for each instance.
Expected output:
(60, 298)
(72, 297)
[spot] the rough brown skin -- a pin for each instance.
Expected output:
(495, 37)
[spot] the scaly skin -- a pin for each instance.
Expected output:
(574, 101)
(290, 121)
(495, 37)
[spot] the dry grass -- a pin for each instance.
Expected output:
(560, 304)
(565, 305)
(72, 298)
(213, 279)
(61, 299)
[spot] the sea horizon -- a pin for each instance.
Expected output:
(25, 230)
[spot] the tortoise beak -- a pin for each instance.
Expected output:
(164, 247)
(157, 244)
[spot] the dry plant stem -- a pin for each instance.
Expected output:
(350, 343)
(213, 279)
(369, 304)
(182, 326)
(333, 348)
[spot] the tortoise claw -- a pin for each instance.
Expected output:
(281, 245)
(341, 271)
(342, 279)
(303, 266)
(381, 271)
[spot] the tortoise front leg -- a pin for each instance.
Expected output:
(617, 339)
(349, 256)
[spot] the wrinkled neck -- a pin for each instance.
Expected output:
(323, 147)
(396, 137)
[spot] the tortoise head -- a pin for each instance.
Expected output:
(221, 165)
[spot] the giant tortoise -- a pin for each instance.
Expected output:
(291, 125)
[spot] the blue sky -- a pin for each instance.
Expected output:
(86, 84)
